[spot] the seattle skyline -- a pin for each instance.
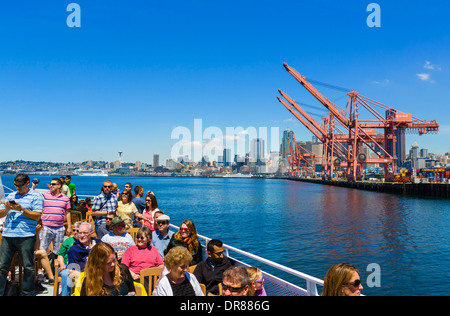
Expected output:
(133, 72)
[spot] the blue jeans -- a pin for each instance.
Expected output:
(65, 288)
(25, 247)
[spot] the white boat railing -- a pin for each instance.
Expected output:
(278, 285)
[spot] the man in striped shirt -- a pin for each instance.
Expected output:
(22, 209)
(56, 209)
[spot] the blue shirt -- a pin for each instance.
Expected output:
(161, 242)
(17, 224)
(109, 204)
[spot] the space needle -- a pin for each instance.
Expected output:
(120, 158)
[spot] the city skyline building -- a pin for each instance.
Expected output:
(227, 157)
(155, 160)
(257, 148)
(288, 139)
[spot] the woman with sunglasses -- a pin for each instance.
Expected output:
(73, 202)
(126, 209)
(342, 279)
(188, 234)
(256, 287)
(143, 255)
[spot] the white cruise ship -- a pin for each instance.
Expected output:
(91, 173)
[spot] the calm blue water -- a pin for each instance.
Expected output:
(309, 227)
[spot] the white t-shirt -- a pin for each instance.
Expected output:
(120, 243)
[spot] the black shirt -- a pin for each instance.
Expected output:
(183, 289)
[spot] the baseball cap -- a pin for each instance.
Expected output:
(163, 218)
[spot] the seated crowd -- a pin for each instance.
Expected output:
(98, 256)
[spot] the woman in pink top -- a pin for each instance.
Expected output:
(143, 255)
(151, 206)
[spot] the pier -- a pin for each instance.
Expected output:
(436, 190)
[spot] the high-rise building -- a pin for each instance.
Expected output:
(227, 157)
(257, 149)
(400, 146)
(288, 137)
(155, 160)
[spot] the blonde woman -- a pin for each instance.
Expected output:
(104, 275)
(342, 279)
(256, 287)
(178, 282)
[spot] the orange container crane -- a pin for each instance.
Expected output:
(359, 131)
(331, 145)
(301, 162)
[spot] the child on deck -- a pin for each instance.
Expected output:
(257, 282)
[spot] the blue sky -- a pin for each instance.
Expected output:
(135, 70)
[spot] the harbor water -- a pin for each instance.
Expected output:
(308, 227)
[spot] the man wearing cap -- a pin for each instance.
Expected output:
(119, 239)
(161, 236)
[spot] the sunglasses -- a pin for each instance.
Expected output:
(355, 283)
(19, 185)
(162, 222)
(184, 229)
(107, 186)
(232, 289)
(52, 184)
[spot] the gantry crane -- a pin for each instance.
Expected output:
(301, 161)
(348, 145)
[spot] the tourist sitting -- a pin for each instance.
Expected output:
(188, 234)
(82, 208)
(256, 287)
(178, 282)
(165, 271)
(210, 271)
(106, 228)
(119, 239)
(88, 204)
(143, 255)
(104, 276)
(151, 207)
(126, 209)
(73, 202)
(162, 236)
(79, 252)
(63, 260)
(342, 279)
(235, 281)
